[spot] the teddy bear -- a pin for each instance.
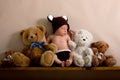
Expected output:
(13, 58)
(83, 53)
(7, 60)
(100, 58)
(36, 48)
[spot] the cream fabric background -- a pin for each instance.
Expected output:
(100, 17)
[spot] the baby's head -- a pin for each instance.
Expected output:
(57, 22)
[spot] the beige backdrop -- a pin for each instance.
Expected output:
(101, 17)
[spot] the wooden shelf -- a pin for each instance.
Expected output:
(59, 73)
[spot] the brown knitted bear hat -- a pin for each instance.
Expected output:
(57, 22)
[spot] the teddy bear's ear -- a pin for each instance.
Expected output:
(78, 32)
(42, 28)
(107, 45)
(21, 33)
(50, 18)
(93, 44)
(65, 17)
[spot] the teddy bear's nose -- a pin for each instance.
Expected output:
(84, 39)
(31, 36)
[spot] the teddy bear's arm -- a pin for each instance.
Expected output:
(72, 44)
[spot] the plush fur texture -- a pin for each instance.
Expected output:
(83, 54)
(13, 58)
(20, 59)
(36, 49)
(100, 58)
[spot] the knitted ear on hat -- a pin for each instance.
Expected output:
(50, 18)
(57, 22)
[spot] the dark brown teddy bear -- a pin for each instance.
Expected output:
(100, 58)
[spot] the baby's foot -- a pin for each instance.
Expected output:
(62, 64)
(68, 62)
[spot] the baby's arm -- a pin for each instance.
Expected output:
(44, 39)
(49, 39)
(71, 33)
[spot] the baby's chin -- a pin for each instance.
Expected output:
(64, 34)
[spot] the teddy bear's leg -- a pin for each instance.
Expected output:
(88, 61)
(47, 58)
(78, 60)
(88, 57)
(110, 60)
(95, 61)
(20, 59)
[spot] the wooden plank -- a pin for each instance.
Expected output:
(60, 68)
(42, 68)
(59, 73)
(105, 68)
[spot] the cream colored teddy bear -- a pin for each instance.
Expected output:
(83, 54)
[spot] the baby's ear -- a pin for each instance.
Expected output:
(50, 18)
(65, 17)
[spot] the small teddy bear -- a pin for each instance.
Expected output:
(13, 58)
(36, 47)
(99, 58)
(7, 61)
(83, 53)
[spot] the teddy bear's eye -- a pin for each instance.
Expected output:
(36, 34)
(26, 36)
(101, 46)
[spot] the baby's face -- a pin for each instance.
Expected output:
(62, 30)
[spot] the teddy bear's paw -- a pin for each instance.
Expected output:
(47, 58)
(87, 60)
(51, 47)
(110, 62)
(20, 59)
(80, 62)
(89, 51)
(95, 61)
(72, 45)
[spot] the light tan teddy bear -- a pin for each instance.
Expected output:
(36, 47)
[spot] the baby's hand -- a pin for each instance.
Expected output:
(72, 33)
